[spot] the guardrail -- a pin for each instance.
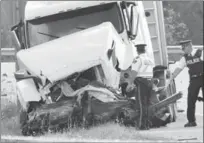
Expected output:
(8, 54)
(175, 53)
(8, 51)
(176, 49)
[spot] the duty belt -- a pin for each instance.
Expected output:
(198, 75)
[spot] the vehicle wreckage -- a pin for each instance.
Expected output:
(77, 102)
(75, 79)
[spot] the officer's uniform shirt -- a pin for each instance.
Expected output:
(143, 65)
(182, 63)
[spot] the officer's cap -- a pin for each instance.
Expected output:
(140, 46)
(185, 42)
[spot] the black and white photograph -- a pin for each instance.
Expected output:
(101, 71)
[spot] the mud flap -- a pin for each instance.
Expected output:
(173, 107)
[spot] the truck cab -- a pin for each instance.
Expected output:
(47, 21)
(56, 31)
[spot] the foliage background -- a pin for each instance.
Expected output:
(183, 20)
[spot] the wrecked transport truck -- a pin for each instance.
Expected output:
(72, 56)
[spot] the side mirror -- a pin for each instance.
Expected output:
(17, 35)
(16, 40)
(134, 20)
(21, 74)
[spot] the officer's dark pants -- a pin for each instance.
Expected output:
(144, 87)
(195, 85)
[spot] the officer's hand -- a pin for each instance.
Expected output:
(168, 83)
(171, 78)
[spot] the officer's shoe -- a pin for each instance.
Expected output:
(190, 124)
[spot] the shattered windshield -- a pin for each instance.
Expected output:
(49, 28)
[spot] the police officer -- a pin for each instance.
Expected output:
(142, 64)
(142, 68)
(194, 62)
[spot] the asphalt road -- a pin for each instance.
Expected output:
(177, 132)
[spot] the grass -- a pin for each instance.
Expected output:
(9, 109)
(9, 117)
(108, 131)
